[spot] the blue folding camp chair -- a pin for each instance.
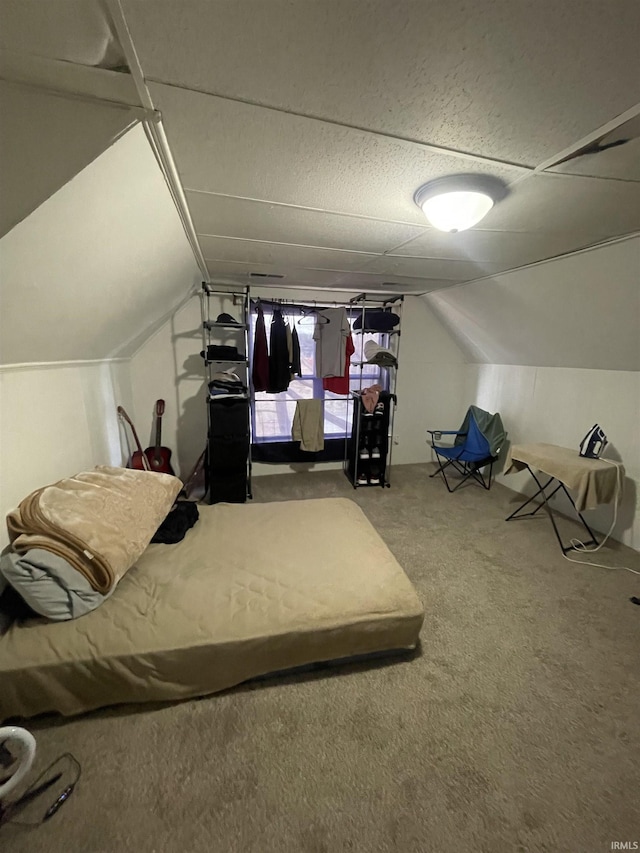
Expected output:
(477, 445)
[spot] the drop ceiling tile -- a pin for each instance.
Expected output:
(248, 251)
(507, 249)
(432, 268)
(517, 81)
(231, 148)
(584, 210)
(234, 217)
(391, 284)
(621, 163)
(238, 272)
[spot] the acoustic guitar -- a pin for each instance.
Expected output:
(138, 459)
(159, 457)
(155, 458)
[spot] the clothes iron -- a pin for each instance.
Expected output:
(593, 443)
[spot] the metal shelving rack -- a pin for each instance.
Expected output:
(211, 328)
(390, 340)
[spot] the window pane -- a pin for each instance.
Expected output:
(273, 413)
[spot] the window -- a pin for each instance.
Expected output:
(272, 414)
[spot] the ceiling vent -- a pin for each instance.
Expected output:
(264, 275)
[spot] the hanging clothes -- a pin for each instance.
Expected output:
(279, 372)
(260, 372)
(289, 345)
(340, 384)
(293, 345)
(308, 425)
(296, 369)
(330, 334)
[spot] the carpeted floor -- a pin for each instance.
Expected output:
(516, 728)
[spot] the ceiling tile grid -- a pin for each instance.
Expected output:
(301, 131)
(516, 81)
(226, 147)
(224, 216)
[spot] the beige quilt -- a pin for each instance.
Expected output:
(99, 521)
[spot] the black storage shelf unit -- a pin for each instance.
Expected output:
(228, 462)
(368, 447)
(228, 449)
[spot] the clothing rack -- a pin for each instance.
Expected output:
(299, 303)
(354, 306)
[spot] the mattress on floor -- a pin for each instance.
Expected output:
(252, 589)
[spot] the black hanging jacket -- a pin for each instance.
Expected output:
(295, 360)
(279, 371)
(260, 355)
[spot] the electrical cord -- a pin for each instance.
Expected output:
(36, 789)
(578, 544)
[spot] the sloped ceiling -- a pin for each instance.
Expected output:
(98, 266)
(301, 130)
(72, 30)
(580, 311)
(45, 140)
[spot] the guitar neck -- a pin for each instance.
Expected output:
(124, 416)
(158, 431)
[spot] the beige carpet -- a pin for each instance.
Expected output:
(517, 728)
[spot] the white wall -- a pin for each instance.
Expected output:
(57, 420)
(169, 367)
(559, 350)
(431, 381)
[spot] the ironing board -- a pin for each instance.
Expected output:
(593, 480)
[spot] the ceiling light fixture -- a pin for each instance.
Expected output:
(459, 202)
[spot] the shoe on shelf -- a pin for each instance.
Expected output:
(362, 480)
(374, 479)
(379, 409)
(364, 453)
(375, 453)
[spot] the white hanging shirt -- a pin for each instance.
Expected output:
(331, 341)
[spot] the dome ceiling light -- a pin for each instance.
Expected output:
(459, 202)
